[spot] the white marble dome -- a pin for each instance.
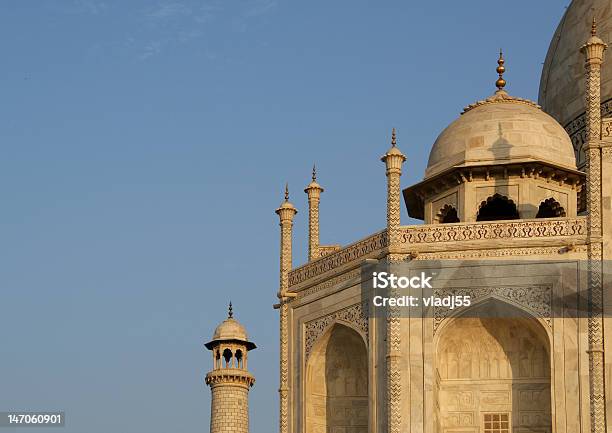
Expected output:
(230, 329)
(501, 130)
(562, 84)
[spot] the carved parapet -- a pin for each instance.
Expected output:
(351, 253)
(606, 129)
(438, 237)
(515, 229)
(325, 250)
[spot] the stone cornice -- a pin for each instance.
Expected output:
(230, 376)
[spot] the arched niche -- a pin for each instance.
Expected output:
(336, 383)
(448, 214)
(492, 364)
(497, 207)
(550, 208)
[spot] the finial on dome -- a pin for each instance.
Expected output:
(230, 311)
(393, 138)
(500, 83)
(594, 28)
(287, 191)
(314, 173)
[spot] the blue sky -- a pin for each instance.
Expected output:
(145, 146)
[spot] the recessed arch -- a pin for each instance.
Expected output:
(550, 208)
(494, 358)
(239, 359)
(217, 359)
(497, 207)
(448, 214)
(336, 382)
(227, 358)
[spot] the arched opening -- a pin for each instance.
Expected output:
(239, 359)
(337, 383)
(550, 208)
(497, 207)
(227, 357)
(493, 374)
(448, 214)
(217, 359)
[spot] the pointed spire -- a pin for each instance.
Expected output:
(314, 173)
(393, 138)
(287, 191)
(594, 28)
(500, 83)
(230, 311)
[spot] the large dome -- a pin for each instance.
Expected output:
(562, 82)
(501, 130)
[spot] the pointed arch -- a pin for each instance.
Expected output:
(550, 208)
(497, 207)
(448, 214)
(336, 382)
(498, 357)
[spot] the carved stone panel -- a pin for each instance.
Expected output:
(535, 299)
(355, 314)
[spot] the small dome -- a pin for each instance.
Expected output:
(230, 329)
(501, 130)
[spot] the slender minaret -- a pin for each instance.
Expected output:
(593, 51)
(286, 212)
(229, 380)
(314, 191)
(393, 160)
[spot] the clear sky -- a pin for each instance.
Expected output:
(145, 146)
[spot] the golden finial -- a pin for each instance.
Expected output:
(594, 28)
(314, 173)
(501, 83)
(287, 191)
(393, 138)
(230, 311)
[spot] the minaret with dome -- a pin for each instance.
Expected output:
(230, 379)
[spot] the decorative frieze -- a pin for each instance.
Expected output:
(355, 273)
(356, 315)
(606, 127)
(504, 252)
(577, 131)
(519, 229)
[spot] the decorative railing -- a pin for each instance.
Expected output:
(325, 250)
(516, 229)
(352, 252)
(440, 233)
